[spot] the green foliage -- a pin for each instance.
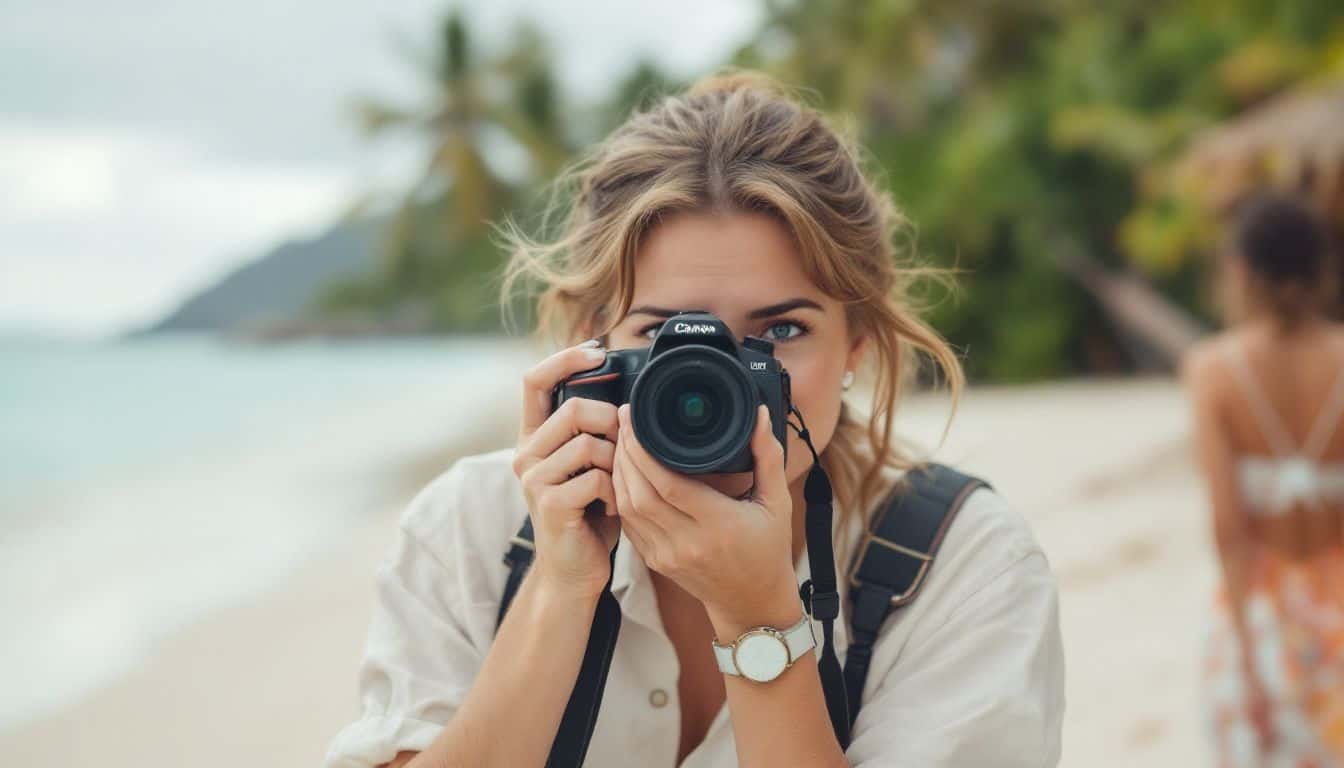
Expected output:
(1009, 132)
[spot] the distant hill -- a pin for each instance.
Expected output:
(280, 285)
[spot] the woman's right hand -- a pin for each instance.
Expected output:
(564, 460)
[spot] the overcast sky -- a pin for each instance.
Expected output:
(146, 146)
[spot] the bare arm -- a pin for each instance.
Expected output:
(512, 713)
(1231, 524)
(794, 697)
(526, 679)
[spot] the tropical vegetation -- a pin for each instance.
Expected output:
(1012, 134)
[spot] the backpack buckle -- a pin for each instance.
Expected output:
(869, 539)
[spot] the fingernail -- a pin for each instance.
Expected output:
(596, 355)
(590, 343)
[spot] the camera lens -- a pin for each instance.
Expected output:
(694, 408)
(687, 408)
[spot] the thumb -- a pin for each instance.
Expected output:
(768, 461)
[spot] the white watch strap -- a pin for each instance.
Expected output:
(724, 655)
(799, 639)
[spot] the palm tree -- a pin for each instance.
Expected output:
(475, 103)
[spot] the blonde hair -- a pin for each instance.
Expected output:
(739, 142)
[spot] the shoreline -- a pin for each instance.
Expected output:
(269, 679)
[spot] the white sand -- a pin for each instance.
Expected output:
(1101, 469)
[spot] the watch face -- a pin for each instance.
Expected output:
(761, 656)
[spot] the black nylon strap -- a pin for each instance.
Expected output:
(518, 559)
(585, 701)
(895, 558)
(870, 606)
(580, 718)
(820, 596)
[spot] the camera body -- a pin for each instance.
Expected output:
(693, 393)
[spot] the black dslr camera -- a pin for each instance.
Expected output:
(693, 393)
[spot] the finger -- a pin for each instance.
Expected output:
(565, 502)
(645, 501)
(579, 453)
(541, 379)
(691, 498)
(574, 417)
(767, 454)
(632, 532)
(618, 481)
(628, 504)
(644, 532)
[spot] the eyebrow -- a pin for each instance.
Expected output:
(755, 314)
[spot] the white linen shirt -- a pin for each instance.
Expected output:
(969, 674)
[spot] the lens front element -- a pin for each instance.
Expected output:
(694, 409)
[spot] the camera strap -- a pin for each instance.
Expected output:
(580, 717)
(819, 593)
(910, 527)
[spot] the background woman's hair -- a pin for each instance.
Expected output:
(1286, 251)
(740, 142)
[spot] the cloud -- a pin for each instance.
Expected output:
(142, 153)
(103, 230)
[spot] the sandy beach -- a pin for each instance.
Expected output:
(1102, 469)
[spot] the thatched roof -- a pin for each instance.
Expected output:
(1293, 143)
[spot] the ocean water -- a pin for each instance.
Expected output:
(146, 483)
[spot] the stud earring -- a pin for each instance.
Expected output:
(848, 380)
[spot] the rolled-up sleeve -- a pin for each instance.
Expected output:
(426, 641)
(985, 687)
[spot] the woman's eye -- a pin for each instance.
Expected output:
(784, 331)
(649, 331)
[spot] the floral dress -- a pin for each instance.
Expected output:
(1295, 615)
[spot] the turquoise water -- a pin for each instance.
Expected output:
(145, 483)
(73, 412)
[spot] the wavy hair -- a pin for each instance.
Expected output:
(739, 141)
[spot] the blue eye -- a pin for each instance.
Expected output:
(783, 331)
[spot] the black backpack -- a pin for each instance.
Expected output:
(888, 569)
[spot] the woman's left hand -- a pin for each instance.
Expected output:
(734, 555)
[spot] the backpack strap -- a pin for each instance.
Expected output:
(894, 558)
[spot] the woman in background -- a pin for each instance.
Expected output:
(1268, 396)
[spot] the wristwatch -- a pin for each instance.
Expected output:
(763, 653)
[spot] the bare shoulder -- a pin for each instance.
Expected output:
(1336, 334)
(1204, 356)
(1203, 369)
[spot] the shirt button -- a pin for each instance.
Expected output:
(658, 698)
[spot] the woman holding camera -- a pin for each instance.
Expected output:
(736, 200)
(1268, 396)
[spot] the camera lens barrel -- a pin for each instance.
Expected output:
(694, 408)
